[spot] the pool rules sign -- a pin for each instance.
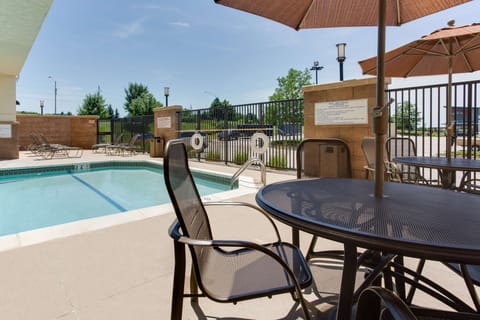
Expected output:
(341, 112)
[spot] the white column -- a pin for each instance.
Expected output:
(7, 98)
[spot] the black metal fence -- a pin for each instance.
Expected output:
(416, 112)
(109, 129)
(420, 113)
(227, 131)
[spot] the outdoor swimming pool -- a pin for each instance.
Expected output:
(34, 198)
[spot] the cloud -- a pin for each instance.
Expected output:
(131, 29)
(180, 24)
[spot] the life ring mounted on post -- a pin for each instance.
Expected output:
(196, 141)
(261, 147)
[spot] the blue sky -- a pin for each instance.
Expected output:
(197, 48)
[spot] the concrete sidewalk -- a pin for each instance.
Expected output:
(125, 271)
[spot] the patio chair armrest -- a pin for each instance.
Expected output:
(374, 302)
(245, 204)
(175, 233)
(392, 171)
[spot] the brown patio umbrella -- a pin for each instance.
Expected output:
(448, 50)
(302, 14)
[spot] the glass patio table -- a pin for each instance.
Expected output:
(446, 168)
(410, 220)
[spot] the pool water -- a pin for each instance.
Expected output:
(36, 200)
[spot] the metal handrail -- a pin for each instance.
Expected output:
(263, 171)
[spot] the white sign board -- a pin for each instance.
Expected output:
(164, 122)
(5, 130)
(341, 112)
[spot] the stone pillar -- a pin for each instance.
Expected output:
(166, 122)
(354, 100)
(8, 124)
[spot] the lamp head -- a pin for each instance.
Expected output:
(341, 52)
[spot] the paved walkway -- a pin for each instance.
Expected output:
(124, 271)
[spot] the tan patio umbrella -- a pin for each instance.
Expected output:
(448, 50)
(303, 14)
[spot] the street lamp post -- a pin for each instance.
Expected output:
(55, 93)
(316, 67)
(341, 57)
(166, 91)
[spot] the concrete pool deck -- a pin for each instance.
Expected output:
(125, 271)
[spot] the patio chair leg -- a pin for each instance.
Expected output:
(193, 286)
(178, 281)
(470, 286)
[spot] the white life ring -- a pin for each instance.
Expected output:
(196, 141)
(264, 142)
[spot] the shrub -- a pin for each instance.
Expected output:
(213, 156)
(240, 158)
(277, 162)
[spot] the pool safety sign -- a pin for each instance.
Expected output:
(341, 112)
(164, 122)
(6, 131)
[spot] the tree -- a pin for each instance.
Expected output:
(218, 109)
(139, 101)
(143, 105)
(94, 104)
(406, 116)
(290, 86)
(110, 112)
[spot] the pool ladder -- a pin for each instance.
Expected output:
(263, 171)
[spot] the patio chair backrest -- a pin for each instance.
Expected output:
(368, 148)
(133, 139)
(403, 147)
(323, 157)
(185, 198)
(400, 147)
(118, 138)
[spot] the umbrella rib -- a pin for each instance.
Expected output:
(398, 13)
(304, 15)
(465, 47)
(461, 51)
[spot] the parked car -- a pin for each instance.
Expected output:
(227, 135)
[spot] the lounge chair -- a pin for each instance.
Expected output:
(48, 150)
(224, 270)
(103, 146)
(123, 148)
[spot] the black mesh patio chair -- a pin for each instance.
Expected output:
(471, 275)
(470, 183)
(322, 158)
(405, 147)
(376, 303)
(382, 304)
(224, 270)
(390, 169)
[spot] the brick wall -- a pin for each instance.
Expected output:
(76, 131)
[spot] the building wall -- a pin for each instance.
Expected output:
(75, 131)
(352, 134)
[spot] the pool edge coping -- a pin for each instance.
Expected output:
(246, 185)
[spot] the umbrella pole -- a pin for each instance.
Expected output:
(379, 116)
(449, 108)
